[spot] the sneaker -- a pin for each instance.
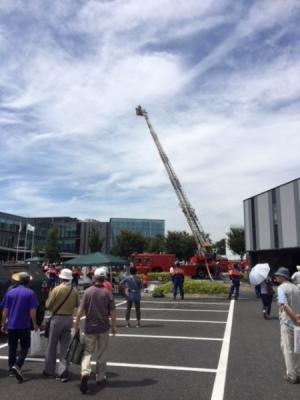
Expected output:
(63, 377)
(102, 381)
(47, 375)
(17, 373)
(84, 384)
(138, 325)
(128, 325)
(290, 380)
(11, 372)
(265, 315)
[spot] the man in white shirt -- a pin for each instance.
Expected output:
(289, 316)
(296, 277)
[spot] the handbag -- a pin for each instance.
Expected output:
(75, 350)
(48, 323)
(35, 342)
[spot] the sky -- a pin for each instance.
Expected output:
(218, 78)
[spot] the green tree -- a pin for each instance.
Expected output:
(128, 242)
(52, 248)
(156, 244)
(95, 241)
(180, 243)
(236, 240)
(220, 247)
(35, 252)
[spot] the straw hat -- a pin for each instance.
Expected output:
(19, 276)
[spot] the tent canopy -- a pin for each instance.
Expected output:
(95, 259)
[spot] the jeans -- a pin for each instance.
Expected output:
(137, 305)
(178, 285)
(16, 336)
(235, 287)
(267, 302)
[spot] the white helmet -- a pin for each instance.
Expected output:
(102, 271)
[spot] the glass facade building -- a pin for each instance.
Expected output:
(148, 227)
(73, 234)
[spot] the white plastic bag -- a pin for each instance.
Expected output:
(35, 342)
(297, 339)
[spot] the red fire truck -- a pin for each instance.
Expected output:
(196, 268)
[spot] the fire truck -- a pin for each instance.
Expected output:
(195, 268)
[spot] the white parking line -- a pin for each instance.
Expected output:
(185, 302)
(176, 309)
(179, 320)
(220, 379)
(126, 365)
(167, 337)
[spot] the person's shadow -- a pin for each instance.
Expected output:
(93, 389)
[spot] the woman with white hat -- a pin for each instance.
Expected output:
(62, 302)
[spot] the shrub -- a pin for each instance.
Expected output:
(159, 276)
(192, 286)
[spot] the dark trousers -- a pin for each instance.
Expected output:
(267, 302)
(16, 336)
(235, 287)
(178, 285)
(137, 305)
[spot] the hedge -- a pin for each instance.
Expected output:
(192, 286)
(159, 276)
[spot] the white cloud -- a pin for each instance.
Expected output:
(227, 117)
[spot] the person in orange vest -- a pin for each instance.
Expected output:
(235, 275)
(177, 275)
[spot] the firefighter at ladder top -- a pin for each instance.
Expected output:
(177, 275)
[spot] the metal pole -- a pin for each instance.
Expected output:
(18, 242)
(25, 244)
(32, 244)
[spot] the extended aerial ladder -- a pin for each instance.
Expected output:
(200, 236)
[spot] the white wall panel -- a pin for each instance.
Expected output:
(247, 205)
(263, 222)
(288, 215)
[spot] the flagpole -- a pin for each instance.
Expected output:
(18, 242)
(32, 243)
(25, 244)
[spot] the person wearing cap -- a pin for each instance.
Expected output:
(296, 277)
(102, 271)
(19, 309)
(62, 302)
(98, 306)
(289, 316)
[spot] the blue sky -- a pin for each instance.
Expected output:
(219, 79)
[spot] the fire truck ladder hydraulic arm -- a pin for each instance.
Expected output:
(191, 217)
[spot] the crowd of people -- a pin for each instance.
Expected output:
(97, 306)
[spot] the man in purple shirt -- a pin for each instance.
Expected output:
(19, 307)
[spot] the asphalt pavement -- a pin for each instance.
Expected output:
(207, 349)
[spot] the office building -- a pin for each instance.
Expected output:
(272, 226)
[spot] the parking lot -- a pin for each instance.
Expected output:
(202, 349)
(180, 352)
